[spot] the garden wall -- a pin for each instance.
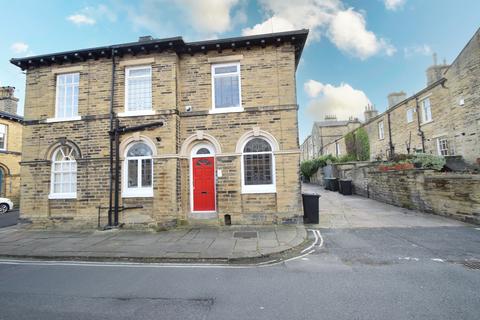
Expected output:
(450, 194)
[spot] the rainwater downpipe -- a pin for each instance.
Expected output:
(112, 115)
(420, 131)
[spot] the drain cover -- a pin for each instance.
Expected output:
(245, 234)
(475, 265)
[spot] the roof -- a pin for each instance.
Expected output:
(146, 45)
(9, 116)
(331, 123)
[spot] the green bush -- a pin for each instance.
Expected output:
(347, 158)
(307, 168)
(362, 145)
(429, 161)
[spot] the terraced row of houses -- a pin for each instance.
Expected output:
(442, 119)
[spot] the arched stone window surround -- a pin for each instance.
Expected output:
(137, 163)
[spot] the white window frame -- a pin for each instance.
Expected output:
(238, 108)
(5, 136)
(426, 116)
(439, 146)
(258, 188)
(410, 112)
(137, 192)
(74, 116)
(337, 149)
(129, 113)
(381, 130)
(62, 195)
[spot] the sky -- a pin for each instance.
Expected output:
(358, 51)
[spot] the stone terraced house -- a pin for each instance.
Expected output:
(207, 132)
(10, 145)
(441, 119)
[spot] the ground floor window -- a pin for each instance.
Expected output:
(442, 146)
(64, 173)
(258, 166)
(138, 177)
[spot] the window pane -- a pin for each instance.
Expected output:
(226, 69)
(67, 95)
(146, 172)
(2, 141)
(203, 151)
(139, 89)
(132, 173)
(258, 169)
(139, 150)
(227, 91)
(257, 145)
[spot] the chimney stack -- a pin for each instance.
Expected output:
(435, 72)
(370, 112)
(396, 97)
(8, 102)
(330, 117)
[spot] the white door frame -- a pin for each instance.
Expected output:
(193, 155)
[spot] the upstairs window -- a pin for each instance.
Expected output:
(226, 93)
(138, 89)
(258, 167)
(3, 137)
(67, 96)
(64, 173)
(381, 134)
(138, 171)
(409, 115)
(426, 111)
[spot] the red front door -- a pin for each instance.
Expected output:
(203, 184)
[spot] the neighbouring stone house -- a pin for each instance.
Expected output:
(10, 145)
(218, 139)
(442, 119)
(324, 133)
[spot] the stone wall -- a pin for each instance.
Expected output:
(454, 195)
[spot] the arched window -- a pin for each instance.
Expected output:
(64, 173)
(138, 172)
(258, 166)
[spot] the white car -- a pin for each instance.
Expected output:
(5, 205)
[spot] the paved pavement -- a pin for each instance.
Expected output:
(9, 219)
(339, 211)
(209, 243)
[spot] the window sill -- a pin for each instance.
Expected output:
(136, 113)
(252, 189)
(426, 122)
(226, 110)
(137, 194)
(49, 120)
(62, 196)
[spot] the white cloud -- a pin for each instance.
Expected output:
(345, 27)
(206, 18)
(210, 16)
(19, 47)
(394, 5)
(81, 19)
(423, 50)
(342, 101)
(90, 15)
(348, 32)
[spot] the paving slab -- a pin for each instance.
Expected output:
(185, 244)
(339, 211)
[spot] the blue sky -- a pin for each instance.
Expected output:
(357, 53)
